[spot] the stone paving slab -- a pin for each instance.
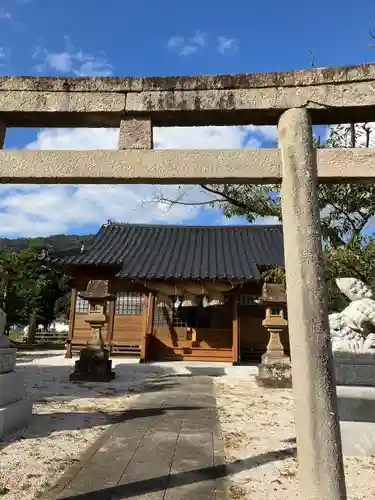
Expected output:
(168, 446)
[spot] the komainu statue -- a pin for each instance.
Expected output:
(352, 330)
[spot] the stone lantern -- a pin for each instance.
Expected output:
(94, 364)
(275, 368)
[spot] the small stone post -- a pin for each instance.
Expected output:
(136, 132)
(320, 460)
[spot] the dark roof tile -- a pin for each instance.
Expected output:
(236, 253)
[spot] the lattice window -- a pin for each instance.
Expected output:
(82, 305)
(162, 315)
(128, 304)
(178, 318)
(167, 315)
(247, 300)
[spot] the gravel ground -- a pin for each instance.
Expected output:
(67, 418)
(257, 423)
(258, 431)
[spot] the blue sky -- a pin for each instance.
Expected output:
(44, 37)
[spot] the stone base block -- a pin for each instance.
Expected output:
(15, 416)
(95, 369)
(92, 377)
(355, 369)
(93, 365)
(275, 373)
(12, 388)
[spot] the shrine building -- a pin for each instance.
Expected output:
(182, 292)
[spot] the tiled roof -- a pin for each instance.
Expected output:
(236, 253)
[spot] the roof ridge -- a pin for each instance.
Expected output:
(197, 226)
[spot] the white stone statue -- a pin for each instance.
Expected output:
(353, 329)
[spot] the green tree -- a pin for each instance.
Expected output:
(345, 209)
(32, 290)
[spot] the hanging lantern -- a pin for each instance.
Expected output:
(177, 303)
(205, 302)
(216, 298)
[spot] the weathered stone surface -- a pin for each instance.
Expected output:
(355, 369)
(175, 166)
(315, 76)
(7, 360)
(317, 424)
(15, 416)
(333, 95)
(12, 388)
(50, 102)
(136, 133)
(93, 365)
(71, 84)
(275, 373)
(283, 98)
(132, 166)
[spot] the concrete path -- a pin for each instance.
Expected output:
(166, 447)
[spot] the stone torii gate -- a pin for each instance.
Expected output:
(293, 101)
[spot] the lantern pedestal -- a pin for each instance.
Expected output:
(93, 366)
(275, 372)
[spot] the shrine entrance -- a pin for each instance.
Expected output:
(293, 101)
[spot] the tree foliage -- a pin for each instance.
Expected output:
(32, 292)
(346, 209)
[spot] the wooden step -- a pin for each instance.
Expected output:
(199, 354)
(126, 350)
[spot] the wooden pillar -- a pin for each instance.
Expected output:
(72, 315)
(148, 316)
(111, 321)
(150, 321)
(235, 333)
(321, 469)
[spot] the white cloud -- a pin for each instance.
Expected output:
(241, 221)
(3, 53)
(185, 46)
(72, 60)
(199, 39)
(50, 209)
(175, 42)
(225, 44)
(205, 137)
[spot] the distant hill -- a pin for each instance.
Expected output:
(58, 242)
